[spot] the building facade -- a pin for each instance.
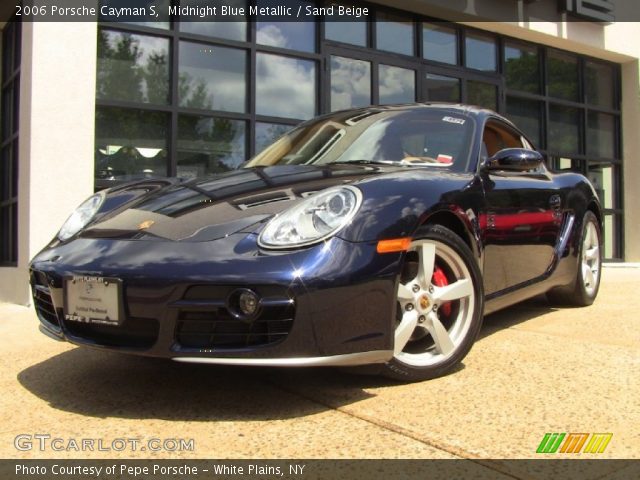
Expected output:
(87, 105)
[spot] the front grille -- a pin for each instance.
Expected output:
(44, 305)
(205, 323)
(138, 333)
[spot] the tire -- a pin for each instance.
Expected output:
(584, 289)
(430, 341)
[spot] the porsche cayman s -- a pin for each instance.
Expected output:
(377, 237)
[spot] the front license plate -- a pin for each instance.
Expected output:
(93, 300)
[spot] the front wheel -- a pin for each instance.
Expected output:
(439, 306)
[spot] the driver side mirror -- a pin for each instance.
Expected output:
(515, 160)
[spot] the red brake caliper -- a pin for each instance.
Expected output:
(439, 279)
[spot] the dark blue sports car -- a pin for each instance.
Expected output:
(378, 236)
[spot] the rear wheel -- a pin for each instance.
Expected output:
(584, 289)
(439, 306)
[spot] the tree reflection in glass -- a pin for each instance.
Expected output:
(132, 67)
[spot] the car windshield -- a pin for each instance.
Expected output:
(416, 137)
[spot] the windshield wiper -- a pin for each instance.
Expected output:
(368, 162)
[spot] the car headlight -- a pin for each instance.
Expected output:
(314, 219)
(81, 217)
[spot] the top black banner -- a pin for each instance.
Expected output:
(149, 11)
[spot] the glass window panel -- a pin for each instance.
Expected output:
(439, 43)
(603, 177)
(396, 85)
(522, 69)
(442, 89)
(482, 94)
(14, 169)
(293, 35)
(14, 231)
(480, 52)
(526, 114)
(7, 47)
(611, 223)
(212, 77)
(15, 127)
(350, 83)
(5, 230)
(564, 129)
(232, 30)
(7, 115)
(354, 32)
(599, 84)
(570, 164)
(562, 74)
(17, 44)
(601, 135)
(130, 144)
(267, 133)
(209, 145)
(228, 30)
(285, 87)
(394, 34)
(132, 67)
(5, 174)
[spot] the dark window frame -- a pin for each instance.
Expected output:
(9, 135)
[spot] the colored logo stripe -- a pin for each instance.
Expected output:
(573, 442)
(598, 442)
(550, 443)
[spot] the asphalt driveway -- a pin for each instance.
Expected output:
(535, 369)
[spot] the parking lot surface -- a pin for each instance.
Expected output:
(535, 369)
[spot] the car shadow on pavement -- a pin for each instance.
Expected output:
(515, 315)
(105, 384)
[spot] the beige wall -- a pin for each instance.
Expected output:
(57, 114)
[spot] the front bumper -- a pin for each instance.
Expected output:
(330, 304)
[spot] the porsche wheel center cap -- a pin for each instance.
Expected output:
(424, 302)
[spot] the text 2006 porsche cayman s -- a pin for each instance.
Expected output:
(378, 236)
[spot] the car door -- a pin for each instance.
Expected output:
(521, 217)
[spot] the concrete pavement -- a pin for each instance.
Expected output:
(535, 369)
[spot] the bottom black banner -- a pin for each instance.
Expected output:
(318, 469)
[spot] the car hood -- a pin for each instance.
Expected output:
(214, 207)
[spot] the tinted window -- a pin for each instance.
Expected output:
(521, 67)
(526, 115)
(397, 85)
(350, 83)
(130, 144)
(293, 35)
(285, 86)
(443, 89)
(480, 51)
(394, 34)
(562, 73)
(564, 129)
(212, 77)
(599, 84)
(209, 145)
(132, 67)
(439, 43)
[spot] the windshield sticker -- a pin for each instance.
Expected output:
(448, 159)
(458, 121)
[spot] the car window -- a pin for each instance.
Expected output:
(417, 137)
(498, 136)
